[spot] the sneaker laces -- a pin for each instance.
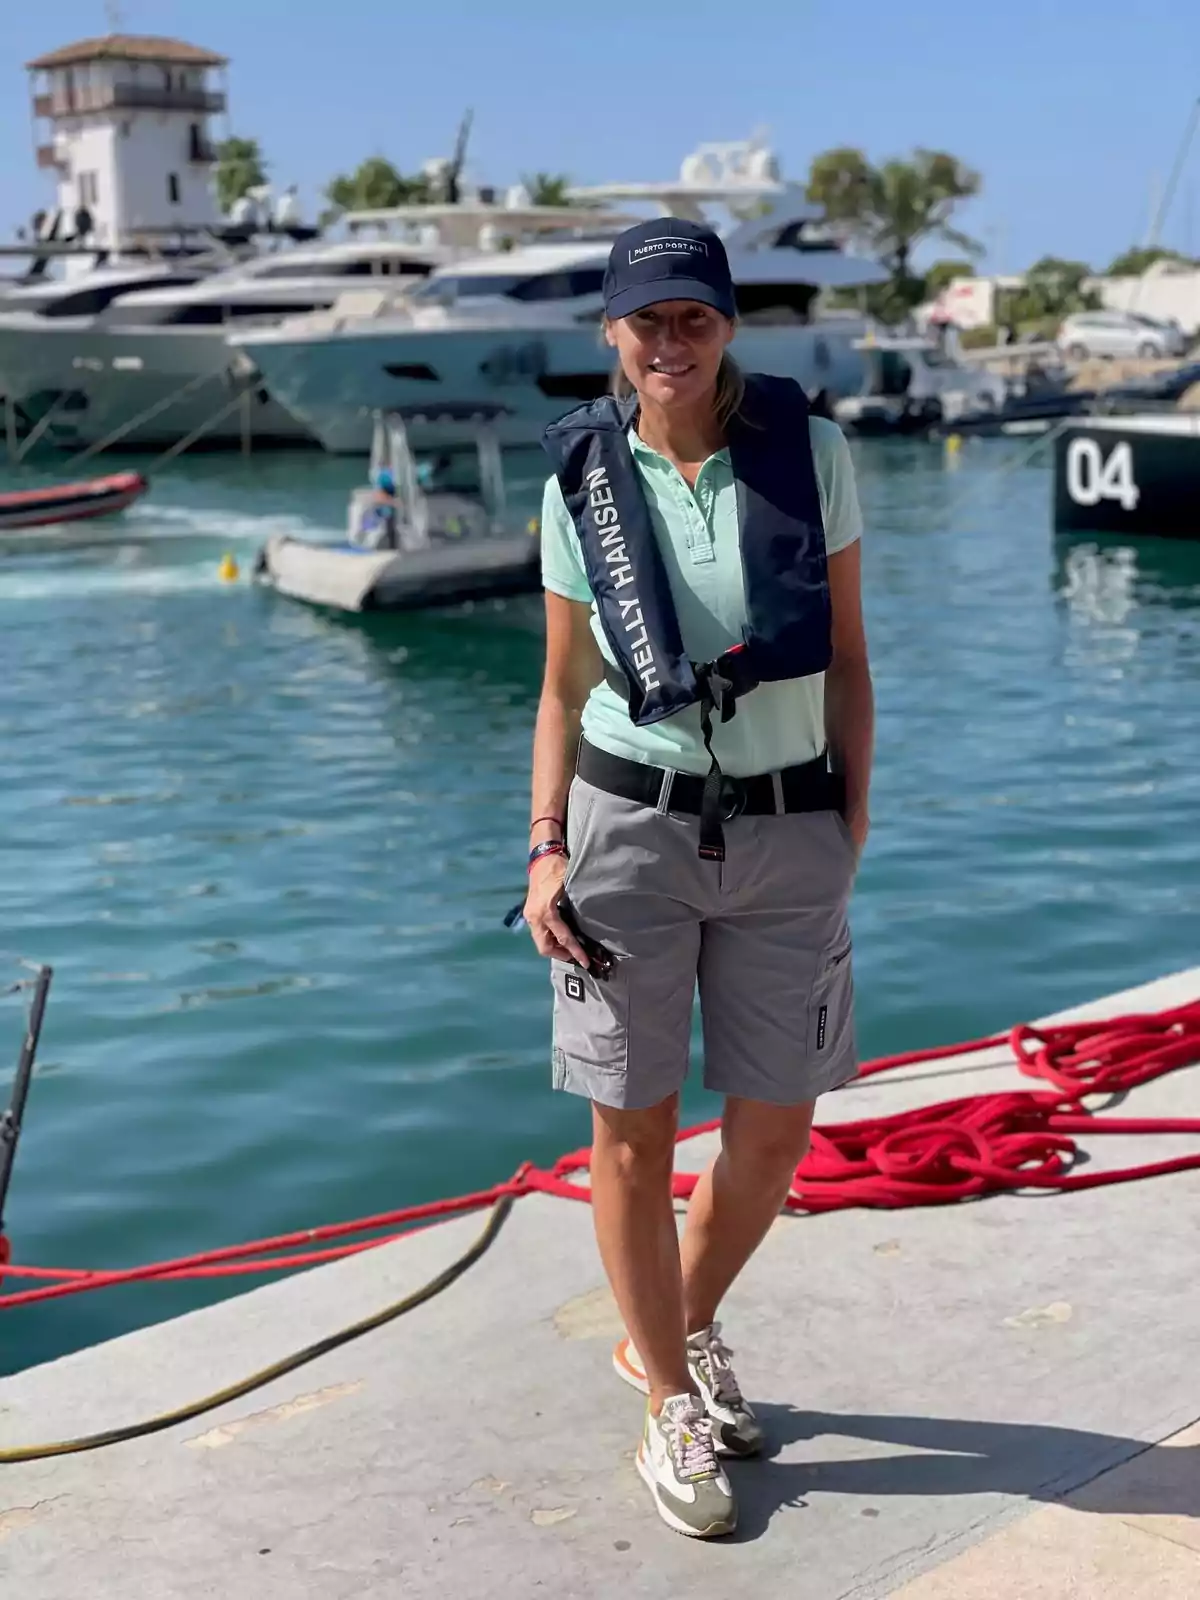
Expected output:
(715, 1359)
(689, 1438)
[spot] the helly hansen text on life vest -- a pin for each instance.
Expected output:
(612, 542)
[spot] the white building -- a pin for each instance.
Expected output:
(123, 123)
(968, 302)
(1168, 290)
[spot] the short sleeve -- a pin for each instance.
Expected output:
(562, 560)
(835, 479)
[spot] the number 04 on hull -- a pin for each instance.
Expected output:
(1137, 475)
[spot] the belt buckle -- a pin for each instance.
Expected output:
(732, 799)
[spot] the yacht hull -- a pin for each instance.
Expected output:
(168, 383)
(333, 383)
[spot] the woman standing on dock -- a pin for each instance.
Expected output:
(707, 710)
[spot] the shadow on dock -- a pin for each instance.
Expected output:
(954, 1456)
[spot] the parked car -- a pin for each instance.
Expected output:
(1119, 333)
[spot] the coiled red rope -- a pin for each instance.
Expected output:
(934, 1155)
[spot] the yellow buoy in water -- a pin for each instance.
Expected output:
(953, 443)
(228, 570)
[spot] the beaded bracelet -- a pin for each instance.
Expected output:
(551, 847)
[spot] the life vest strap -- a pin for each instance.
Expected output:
(721, 683)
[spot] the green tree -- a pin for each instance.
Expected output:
(375, 185)
(1053, 289)
(894, 208)
(1132, 263)
(240, 168)
(548, 188)
(941, 273)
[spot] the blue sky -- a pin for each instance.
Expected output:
(1072, 110)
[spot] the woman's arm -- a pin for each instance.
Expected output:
(849, 695)
(573, 668)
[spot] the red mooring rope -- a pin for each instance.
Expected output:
(936, 1155)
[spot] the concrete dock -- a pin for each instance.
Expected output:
(962, 1403)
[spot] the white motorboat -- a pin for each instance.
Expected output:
(520, 331)
(913, 384)
(412, 543)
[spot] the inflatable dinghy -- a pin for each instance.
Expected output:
(410, 545)
(70, 502)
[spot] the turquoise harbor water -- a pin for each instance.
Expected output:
(268, 852)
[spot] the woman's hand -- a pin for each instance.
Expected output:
(550, 933)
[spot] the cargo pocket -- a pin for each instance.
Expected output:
(591, 1032)
(831, 1006)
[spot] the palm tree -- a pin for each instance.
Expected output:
(894, 207)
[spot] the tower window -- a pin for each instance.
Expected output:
(173, 188)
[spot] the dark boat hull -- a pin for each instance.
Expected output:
(1026, 414)
(1129, 475)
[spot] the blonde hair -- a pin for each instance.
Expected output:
(731, 388)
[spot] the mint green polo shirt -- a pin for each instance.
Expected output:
(776, 725)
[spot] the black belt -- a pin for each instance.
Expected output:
(720, 683)
(808, 787)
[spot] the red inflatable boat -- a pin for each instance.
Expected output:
(70, 502)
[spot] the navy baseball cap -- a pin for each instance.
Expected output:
(667, 259)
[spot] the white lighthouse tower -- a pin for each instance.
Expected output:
(123, 123)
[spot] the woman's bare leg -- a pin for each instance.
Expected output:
(633, 1154)
(737, 1198)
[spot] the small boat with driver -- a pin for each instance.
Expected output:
(413, 542)
(70, 502)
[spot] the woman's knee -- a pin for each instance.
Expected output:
(636, 1145)
(770, 1141)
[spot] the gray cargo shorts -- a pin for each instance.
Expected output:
(764, 936)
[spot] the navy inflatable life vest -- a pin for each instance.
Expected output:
(788, 632)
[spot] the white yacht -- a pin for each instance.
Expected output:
(521, 330)
(145, 356)
(153, 367)
(31, 386)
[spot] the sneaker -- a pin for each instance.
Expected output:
(736, 1430)
(677, 1460)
